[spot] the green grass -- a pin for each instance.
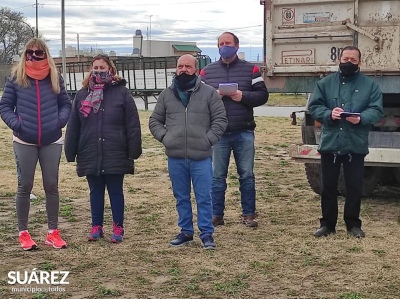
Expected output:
(282, 99)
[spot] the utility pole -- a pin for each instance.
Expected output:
(64, 66)
(77, 38)
(37, 20)
(149, 37)
(150, 34)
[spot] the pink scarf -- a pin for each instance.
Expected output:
(96, 85)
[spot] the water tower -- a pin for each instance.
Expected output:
(137, 43)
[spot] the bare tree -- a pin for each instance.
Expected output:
(14, 33)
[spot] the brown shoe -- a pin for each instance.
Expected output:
(249, 220)
(218, 220)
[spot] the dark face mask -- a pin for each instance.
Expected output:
(184, 78)
(34, 58)
(348, 68)
(101, 77)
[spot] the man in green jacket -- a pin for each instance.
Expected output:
(347, 104)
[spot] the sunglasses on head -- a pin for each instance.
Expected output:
(37, 52)
(101, 55)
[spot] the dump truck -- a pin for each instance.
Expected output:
(303, 40)
(146, 77)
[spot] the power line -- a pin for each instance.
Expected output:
(192, 31)
(31, 5)
(134, 5)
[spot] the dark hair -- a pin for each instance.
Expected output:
(351, 48)
(235, 38)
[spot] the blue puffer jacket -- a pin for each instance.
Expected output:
(248, 77)
(36, 114)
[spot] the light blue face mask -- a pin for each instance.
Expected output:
(227, 52)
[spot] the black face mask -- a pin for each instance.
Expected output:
(34, 58)
(348, 68)
(184, 78)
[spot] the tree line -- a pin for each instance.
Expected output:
(14, 33)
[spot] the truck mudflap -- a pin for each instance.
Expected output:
(387, 157)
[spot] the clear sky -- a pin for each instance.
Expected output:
(110, 25)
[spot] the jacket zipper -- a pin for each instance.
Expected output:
(186, 122)
(39, 113)
(186, 142)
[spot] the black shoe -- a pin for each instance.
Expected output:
(324, 231)
(181, 239)
(208, 242)
(356, 232)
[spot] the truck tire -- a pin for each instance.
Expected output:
(389, 176)
(396, 173)
(313, 172)
(372, 176)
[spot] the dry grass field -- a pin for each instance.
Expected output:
(279, 259)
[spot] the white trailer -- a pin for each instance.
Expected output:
(303, 40)
(146, 76)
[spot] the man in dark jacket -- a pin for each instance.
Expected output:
(251, 92)
(347, 104)
(189, 118)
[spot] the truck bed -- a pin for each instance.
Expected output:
(304, 39)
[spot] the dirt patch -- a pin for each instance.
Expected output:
(279, 259)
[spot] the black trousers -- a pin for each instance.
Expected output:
(353, 168)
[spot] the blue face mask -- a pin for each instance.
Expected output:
(227, 52)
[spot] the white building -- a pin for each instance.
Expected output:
(142, 47)
(73, 52)
(156, 48)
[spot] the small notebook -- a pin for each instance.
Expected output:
(227, 88)
(347, 114)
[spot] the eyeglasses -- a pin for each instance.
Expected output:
(37, 52)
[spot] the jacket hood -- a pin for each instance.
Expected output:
(120, 82)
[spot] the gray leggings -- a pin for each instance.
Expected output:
(27, 157)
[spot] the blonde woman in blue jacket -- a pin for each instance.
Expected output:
(36, 107)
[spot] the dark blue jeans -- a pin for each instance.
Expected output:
(114, 184)
(242, 146)
(353, 168)
(183, 172)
